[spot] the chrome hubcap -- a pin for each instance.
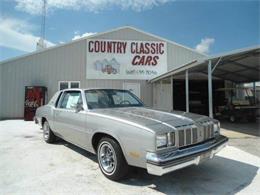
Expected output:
(107, 158)
(46, 131)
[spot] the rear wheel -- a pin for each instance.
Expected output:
(48, 135)
(111, 160)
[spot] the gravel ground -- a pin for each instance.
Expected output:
(30, 166)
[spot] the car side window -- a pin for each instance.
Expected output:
(70, 99)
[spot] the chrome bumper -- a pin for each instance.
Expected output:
(160, 164)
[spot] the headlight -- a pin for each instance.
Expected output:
(171, 139)
(161, 141)
(216, 128)
(165, 140)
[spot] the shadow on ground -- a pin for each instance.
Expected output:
(242, 127)
(77, 149)
(218, 176)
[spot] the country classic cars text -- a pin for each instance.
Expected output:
(144, 53)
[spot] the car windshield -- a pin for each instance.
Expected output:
(111, 98)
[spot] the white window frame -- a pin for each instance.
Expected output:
(69, 84)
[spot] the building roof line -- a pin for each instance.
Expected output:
(59, 45)
(93, 36)
(164, 39)
(232, 52)
(175, 70)
(198, 62)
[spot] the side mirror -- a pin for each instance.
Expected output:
(79, 107)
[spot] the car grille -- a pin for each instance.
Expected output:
(192, 134)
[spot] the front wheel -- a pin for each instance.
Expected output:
(111, 160)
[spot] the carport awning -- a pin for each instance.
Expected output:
(240, 66)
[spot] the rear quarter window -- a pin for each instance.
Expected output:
(55, 99)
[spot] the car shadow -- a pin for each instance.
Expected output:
(218, 176)
(77, 149)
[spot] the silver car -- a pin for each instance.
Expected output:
(115, 125)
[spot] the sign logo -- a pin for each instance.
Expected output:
(31, 104)
(116, 59)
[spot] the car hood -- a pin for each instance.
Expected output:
(153, 119)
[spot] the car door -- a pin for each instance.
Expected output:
(70, 122)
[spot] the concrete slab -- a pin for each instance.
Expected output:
(241, 129)
(30, 166)
(235, 134)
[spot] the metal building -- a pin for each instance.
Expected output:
(125, 57)
(232, 68)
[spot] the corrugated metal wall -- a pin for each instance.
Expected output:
(178, 56)
(68, 63)
(1, 92)
(45, 69)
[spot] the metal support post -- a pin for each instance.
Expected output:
(187, 90)
(172, 93)
(254, 89)
(210, 90)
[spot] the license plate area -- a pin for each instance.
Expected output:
(205, 156)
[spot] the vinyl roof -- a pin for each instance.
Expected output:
(239, 66)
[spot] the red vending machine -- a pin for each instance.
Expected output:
(35, 96)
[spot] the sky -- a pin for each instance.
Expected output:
(208, 26)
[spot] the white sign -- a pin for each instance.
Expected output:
(117, 59)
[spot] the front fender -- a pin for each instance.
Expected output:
(134, 146)
(110, 133)
(134, 140)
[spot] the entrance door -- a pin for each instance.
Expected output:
(133, 87)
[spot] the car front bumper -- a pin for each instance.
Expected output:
(160, 164)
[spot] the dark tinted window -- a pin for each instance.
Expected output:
(74, 85)
(64, 85)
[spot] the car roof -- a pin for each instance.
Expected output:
(84, 89)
